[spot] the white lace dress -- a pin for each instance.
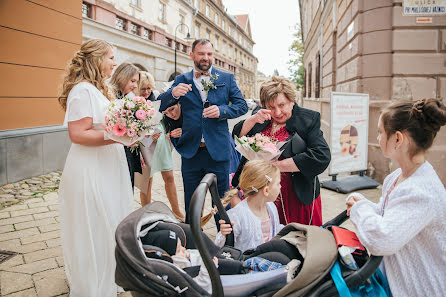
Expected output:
(95, 196)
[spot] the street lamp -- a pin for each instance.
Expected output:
(175, 43)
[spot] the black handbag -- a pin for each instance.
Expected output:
(294, 145)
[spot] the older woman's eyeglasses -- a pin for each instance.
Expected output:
(146, 89)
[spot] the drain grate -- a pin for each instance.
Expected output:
(5, 255)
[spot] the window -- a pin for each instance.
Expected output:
(182, 21)
(223, 24)
(305, 83)
(208, 35)
(135, 3)
(216, 42)
(120, 23)
(240, 38)
(147, 34)
(317, 80)
(207, 11)
(168, 42)
(184, 49)
(310, 68)
(196, 4)
(86, 10)
(223, 49)
(134, 29)
(230, 52)
(197, 31)
(162, 12)
(216, 18)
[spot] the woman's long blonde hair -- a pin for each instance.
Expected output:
(122, 75)
(256, 175)
(87, 65)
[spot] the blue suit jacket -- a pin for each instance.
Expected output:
(215, 131)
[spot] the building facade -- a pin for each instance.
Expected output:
(41, 37)
(372, 47)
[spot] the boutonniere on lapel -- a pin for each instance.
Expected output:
(207, 86)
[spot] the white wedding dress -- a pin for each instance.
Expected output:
(95, 195)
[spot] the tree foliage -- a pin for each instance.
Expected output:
(296, 54)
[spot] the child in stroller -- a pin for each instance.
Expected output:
(151, 274)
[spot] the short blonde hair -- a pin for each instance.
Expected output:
(87, 64)
(122, 75)
(146, 79)
(270, 89)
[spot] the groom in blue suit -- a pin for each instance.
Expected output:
(208, 97)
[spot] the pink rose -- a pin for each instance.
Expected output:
(149, 103)
(129, 105)
(269, 147)
(118, 130)
(140, 114)
(131, 133)
(152, 112)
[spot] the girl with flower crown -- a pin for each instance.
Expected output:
(255, 219)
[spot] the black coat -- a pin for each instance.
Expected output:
(313, 161)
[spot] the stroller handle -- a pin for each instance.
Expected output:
(209, 181)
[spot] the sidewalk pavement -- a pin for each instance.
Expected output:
(31, 229)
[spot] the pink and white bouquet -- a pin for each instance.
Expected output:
(259, 147)
(129, 120)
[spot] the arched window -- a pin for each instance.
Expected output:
(305, 84)
(317, 80)
(310, 72)
(140, 67)
(173, 75)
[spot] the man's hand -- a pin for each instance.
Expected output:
(156, 136)
(176, 133)
(211, 112)
(225, 229)
(261, 116)
(181, 90)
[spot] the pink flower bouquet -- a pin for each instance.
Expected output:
(128, 120)
(259, 147)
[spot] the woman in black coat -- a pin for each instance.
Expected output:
(306, 152)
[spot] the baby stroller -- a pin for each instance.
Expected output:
(154, 276)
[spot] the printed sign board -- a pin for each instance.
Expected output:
(349, 132)
(424, 7)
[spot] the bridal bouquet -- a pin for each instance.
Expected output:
(128, 120)
(259, 147)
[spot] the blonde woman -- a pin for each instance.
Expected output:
(95, 191)
(125, 81)
(161, 156)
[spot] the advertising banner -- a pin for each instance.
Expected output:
(349, 132)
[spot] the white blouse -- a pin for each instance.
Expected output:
(410, 234)
(248, 227)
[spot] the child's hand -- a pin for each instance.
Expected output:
(215, 261)
(351, 202)
(181, 251)
(225, 229)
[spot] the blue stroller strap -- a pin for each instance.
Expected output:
(338, 280)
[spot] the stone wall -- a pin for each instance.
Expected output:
(370, 47)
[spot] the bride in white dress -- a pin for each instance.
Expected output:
(95, 192)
